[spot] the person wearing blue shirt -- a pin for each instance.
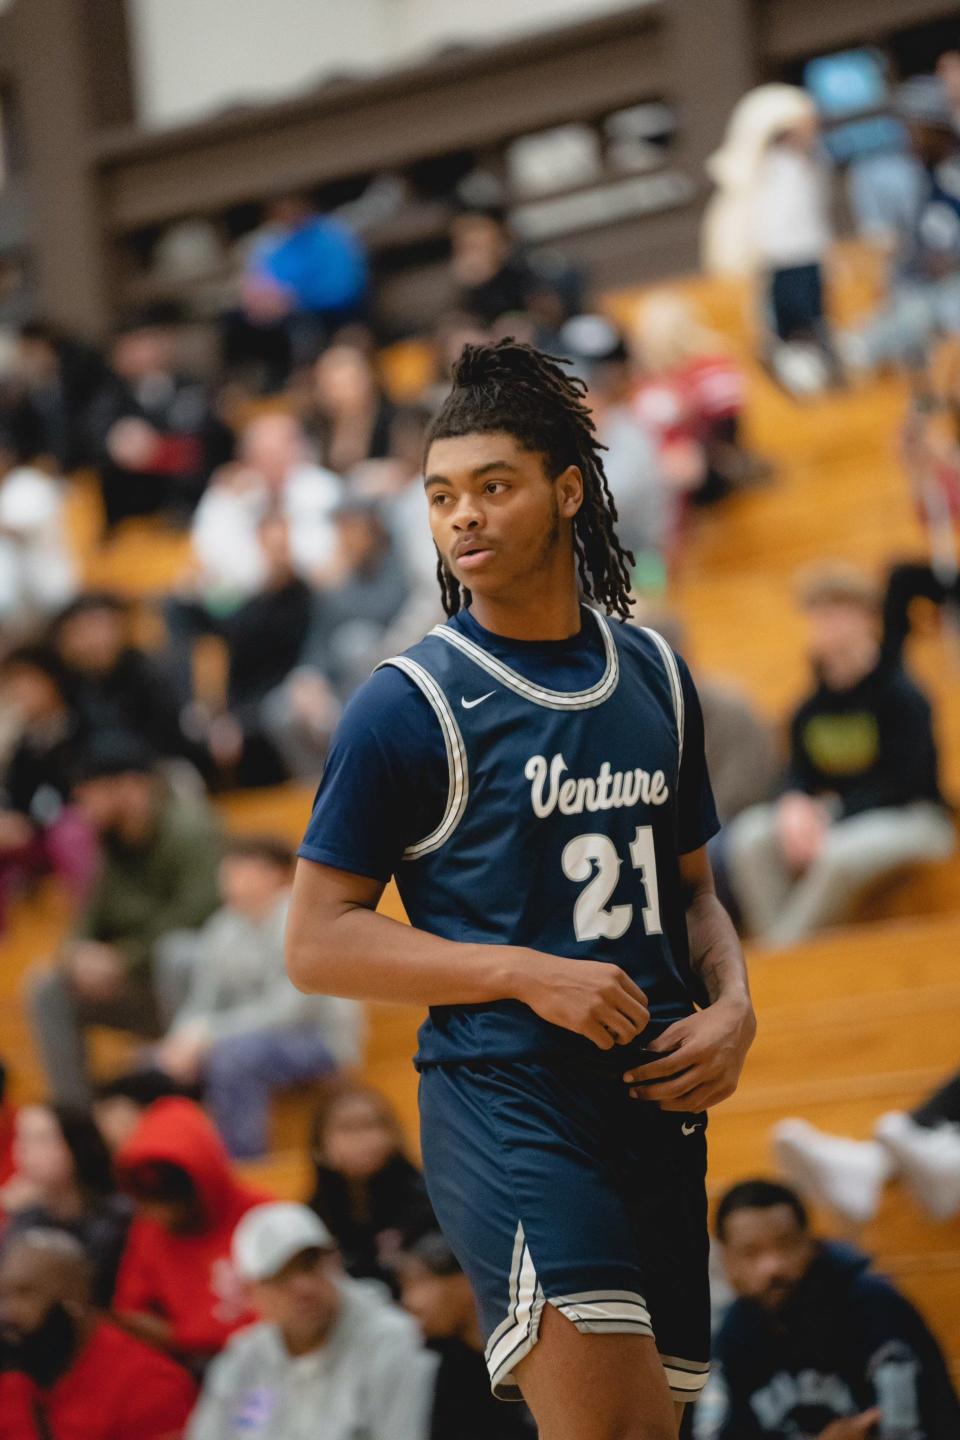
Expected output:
(533, 774)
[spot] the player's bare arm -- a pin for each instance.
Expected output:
(704, 1053)
(337, 944)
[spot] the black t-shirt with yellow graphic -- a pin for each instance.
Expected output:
(871, 745)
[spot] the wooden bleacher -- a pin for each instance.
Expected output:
(865, 1019)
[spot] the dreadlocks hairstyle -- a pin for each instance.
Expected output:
(516, 389)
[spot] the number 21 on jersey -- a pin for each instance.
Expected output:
(592, 917)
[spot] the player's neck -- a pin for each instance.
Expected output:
(549, 612)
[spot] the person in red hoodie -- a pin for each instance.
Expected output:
(64, 1371)
(176, 1285)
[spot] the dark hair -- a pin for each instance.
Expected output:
(759, 1195)
(116, 752)
(88, 1150)
(271, 849)
(160, 1182)
(511, 387)
(140, 1087)
(338, 1098)
(36, 657)
(87, 603)
(433, 1252)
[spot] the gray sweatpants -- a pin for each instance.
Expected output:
(781, 907)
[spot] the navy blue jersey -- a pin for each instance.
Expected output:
(557, 815)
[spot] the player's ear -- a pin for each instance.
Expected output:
(569, 487)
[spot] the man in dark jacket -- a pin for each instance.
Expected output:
(159, 873)
(861, 799)
(157, 440)
(817, 1346)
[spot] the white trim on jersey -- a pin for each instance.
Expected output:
(458, 788)
(539, 694)
(676, 684)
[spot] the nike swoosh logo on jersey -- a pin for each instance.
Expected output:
(469, 704)
(688, 1129)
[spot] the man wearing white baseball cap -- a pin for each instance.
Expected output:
(332, 1359)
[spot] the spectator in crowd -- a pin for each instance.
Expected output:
(66, 1372)
(930, 449)
(37, 572)
(58, 378)
(493, 277)
(438, 1295)
(274, 475)
(8, 1121)
(861, 799)
(119, 1103)
(243, 1028)
(64, 1180)
(925, 285)
(921, 1148)
(646, 507)
(306, 275)
(816, 1343)
(41, 831)
(159, 873)
(741, 747)
(114, 684)
(157, 438)
(948, 73)
(692, 396)
(367, 1192)
(350, 619)
(177, 1287)
(770, 218)
(332, 1357)
(264, 637)
(352, 418)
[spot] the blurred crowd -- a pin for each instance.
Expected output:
(143, 1280)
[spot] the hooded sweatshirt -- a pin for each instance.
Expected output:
(116, 1389)
(871, 745)
(845, 1342)
(186, 1279)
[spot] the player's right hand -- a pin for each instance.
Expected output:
(589, 997)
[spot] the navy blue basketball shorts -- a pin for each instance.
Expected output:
(553, 1187)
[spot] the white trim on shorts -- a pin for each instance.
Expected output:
(612, 1312)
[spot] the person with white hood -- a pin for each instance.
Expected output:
(332, 1359)
(770, 219)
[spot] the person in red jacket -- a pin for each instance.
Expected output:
(67, 1373)
(176, 1285)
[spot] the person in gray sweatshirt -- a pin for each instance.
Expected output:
(332, 1359)
(241, 1028)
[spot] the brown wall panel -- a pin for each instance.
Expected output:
(440, 115)
(793, 29)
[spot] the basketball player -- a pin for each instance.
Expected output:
(533, 775)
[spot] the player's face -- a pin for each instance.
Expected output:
(496, 516)
(766, 1254)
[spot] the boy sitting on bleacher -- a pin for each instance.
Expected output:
(243, 1029)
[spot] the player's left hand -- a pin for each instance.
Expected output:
(703, 1056)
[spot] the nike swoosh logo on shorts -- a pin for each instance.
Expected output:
(688, 1129)
(469, 704)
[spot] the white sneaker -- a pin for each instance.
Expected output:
(927, 1159)
(845, 1176)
